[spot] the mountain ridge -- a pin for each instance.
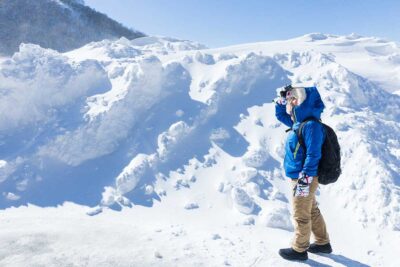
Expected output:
(61, 25)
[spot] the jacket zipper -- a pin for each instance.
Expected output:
(298, 143)
(294, 114)
(296, 150)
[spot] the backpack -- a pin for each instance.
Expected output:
(329, 165)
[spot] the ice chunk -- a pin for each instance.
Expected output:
(277, 218)
(191, 206)
(242, 202)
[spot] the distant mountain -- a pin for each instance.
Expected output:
(58, 24)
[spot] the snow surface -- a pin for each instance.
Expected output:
(175, 152)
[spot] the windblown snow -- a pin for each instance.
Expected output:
(176, 150)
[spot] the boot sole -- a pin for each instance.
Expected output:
(315, 252)
(290, 259)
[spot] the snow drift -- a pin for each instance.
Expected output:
(122, 123)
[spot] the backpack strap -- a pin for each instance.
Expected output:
(300, 130)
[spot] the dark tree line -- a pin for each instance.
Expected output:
(63, 25)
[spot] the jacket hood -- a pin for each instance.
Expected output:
(312, 106)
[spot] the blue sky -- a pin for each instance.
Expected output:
(227, 22)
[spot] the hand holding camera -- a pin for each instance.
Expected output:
(286, 91)
(284, 94)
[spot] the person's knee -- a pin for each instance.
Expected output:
(302, 221)
(315, 212)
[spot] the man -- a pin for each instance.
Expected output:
(301, 166)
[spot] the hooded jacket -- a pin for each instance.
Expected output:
(297, 160)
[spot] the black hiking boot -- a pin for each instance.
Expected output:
(293, 255)
(314, 248)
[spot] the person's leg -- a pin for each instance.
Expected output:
(302, 207)
(318, 226)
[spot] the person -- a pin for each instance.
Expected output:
(297, 104)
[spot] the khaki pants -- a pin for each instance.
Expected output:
(307, 218)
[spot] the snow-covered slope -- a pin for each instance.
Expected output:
(62, 25)
(373, 58)
(166, 127)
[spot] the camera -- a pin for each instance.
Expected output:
(285, 90)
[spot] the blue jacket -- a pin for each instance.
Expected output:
(296, 160)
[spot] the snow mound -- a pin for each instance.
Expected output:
(277, 218)
(242, 202)
(157, 120)
(316, 37)
(41, 84)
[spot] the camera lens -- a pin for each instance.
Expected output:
(288, 87)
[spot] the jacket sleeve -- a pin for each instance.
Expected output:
(282, 116)
(313, 136)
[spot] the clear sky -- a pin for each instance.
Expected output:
(228, 22)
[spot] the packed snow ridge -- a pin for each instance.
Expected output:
(120, 123)
(137, 122)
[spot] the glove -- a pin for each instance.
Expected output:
(302, 188)
(280, 101)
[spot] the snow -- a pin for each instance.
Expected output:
(11, 196)
(161, 152)
(356, 53)
(159, 238)
(242, 202)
